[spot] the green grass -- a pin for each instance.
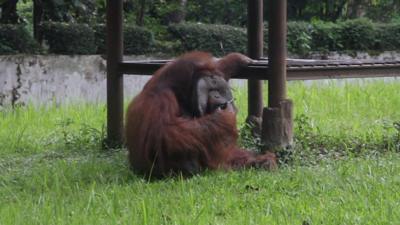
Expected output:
(355, 107)
(99, 189)
(53, 171)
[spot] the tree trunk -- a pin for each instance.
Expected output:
(9, 12)
(339, 10)
(37, 19)
(178, 15)
(356, 9)
(140, 13)
(183, 9)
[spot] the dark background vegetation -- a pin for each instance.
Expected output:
(171, 27)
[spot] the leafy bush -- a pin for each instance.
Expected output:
(325, 37)
(354, 35)
(16, 39)
(137, 40)
(299, 37)
(64, 38)
(76, 137)
(249, 139)
(217, 39)
(358, 35)
(388, 35)
(100, 36)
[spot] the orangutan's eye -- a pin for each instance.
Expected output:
(223, 106)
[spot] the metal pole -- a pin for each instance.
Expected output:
(114, 78)
(255, 51)
(277, 52)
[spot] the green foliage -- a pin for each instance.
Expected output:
(100, 35)
(325, 37)
(137, 40)
(388, 35)
(382, 10)
(169, 12)
(232, 12)
(334, 10)
(76, 137)
(303, 38)
(352, 35)
(358, 34)
(16, 39)
(25, 9)
(80, 11)
(249, 139)
(70, 39)
(217, 39)
(299, 37)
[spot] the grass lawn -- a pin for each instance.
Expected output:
(345, 168)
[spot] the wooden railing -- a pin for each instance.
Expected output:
(297, 69)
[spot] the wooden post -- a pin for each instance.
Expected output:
(255, 51)
(277, 128)
(114, 77)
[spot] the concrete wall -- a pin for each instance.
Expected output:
(57, 79)
(44, 79)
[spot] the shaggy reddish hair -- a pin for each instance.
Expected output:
(164, 136)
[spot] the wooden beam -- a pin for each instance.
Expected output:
(255, 40)
(296, 69)
(277, 52)
(114, 76)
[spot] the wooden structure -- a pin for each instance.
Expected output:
(255, 42)
(277, 118)
(297, 69)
